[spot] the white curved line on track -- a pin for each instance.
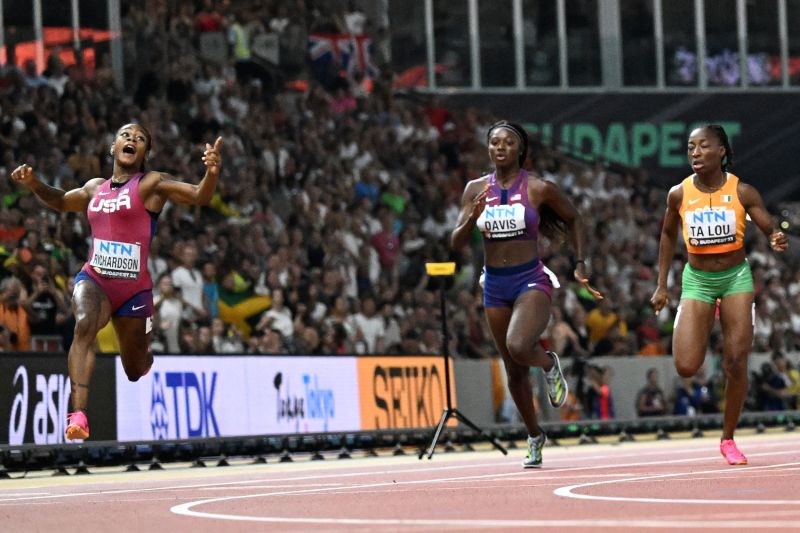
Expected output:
(186, 509)
(6, 498)
(568, 492)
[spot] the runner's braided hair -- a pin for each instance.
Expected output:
(719, 131)
(551, 225)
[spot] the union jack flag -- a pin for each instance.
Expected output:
(353, 54)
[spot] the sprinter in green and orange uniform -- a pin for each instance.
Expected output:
(713, 205)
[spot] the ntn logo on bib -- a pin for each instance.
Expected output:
(113, 259)
(706, 227)
(502, 221)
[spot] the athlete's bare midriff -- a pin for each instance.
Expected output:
(717, 262)
(510, 253)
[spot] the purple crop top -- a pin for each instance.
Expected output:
(508, 213)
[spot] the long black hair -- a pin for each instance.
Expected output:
(719, 131)
(551, 225)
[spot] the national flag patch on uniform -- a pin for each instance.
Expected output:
(727, 198)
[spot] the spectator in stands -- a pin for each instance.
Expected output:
(613, 342)
(6, 344)
(189, 281)
(114, 284)
(791, 376)
(602, 401)
(55, 74)
(772, 389)
(762, 325)
(650, 401)
(33, 79)
(563, 337)
(224, 338)
(509, 207)
(391, 329)
(45, 302)
(602, 319)
(278, 316)
(717, 270)
(210, 289)
(386, 241)
(368, 326)
(169, 306)
(187, 338)
(685, 401)
(14, 315)
(84, 162)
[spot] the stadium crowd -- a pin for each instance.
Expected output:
(335, 190)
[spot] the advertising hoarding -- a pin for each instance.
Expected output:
(224, 396)
(35, 394)
(402, 392)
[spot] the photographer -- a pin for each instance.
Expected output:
(44, 303)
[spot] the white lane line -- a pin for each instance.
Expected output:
(186, 509)
(194, 486)
(483, 524)
(568, 492)
(388, 473)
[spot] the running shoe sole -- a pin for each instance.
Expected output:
(557, 364)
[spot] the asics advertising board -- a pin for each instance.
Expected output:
(34, 399)
(210, 396)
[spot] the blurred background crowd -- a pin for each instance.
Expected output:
(336, 189)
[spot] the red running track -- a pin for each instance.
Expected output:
(616, 487)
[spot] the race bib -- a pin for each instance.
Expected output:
(502, 221)
(113, 259)
(706, 227)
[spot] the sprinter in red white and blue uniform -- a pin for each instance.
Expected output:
(511, 208)
(114, 284)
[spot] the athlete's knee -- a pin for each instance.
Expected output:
(519, 350)
(687, 369)
(141, 367)
(134, 374)
(85, 326)
(735, 365)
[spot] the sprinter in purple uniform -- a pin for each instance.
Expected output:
(509, 207)
(114, 284)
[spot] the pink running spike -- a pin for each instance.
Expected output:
(731, 453)
(77, 426)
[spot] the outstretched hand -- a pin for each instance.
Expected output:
(582, 277)
(23, 175)
(212, 157)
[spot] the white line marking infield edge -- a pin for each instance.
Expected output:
(186, 509)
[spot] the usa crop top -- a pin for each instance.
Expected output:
(508, 213)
